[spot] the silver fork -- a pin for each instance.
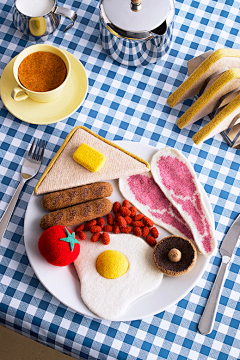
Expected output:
(29, 169)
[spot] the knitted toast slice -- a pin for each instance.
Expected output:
(206, 103)
(221, 58)
(64, 173)
(176, 177)
(220, 122)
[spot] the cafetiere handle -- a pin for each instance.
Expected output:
(70, 14)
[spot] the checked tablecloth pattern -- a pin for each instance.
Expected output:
(129, 104)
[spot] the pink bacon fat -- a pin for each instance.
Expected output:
(143, 192)
(177, 179)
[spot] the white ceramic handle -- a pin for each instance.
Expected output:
(17, 96)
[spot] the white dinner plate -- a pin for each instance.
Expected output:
(63, 282)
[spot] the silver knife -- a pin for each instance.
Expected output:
(229, 243)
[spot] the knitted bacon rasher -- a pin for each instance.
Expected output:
(177, 179)
(143, 192)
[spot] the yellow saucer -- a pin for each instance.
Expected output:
(34, 112)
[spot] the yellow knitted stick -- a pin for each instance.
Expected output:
(206, 103)
(220, 122)
(191, 86)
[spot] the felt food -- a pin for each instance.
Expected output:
(174, 256)
(61, 199)
(176, 177)
(215, 78)
(220, 122)
(144, 193)
(89, 158)
(112, 264)
(221, 58)
(112, 279)
(118, 163)
(77, 214)
(59, 246)
(206, 103)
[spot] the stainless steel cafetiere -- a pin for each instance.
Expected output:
(37, 19)
(136, 32)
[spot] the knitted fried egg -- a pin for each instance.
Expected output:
(115, 275)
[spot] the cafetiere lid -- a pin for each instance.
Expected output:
(136, 15)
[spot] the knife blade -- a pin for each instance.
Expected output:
(231, 238)
(229, 243)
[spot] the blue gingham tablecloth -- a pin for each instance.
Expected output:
(129, 104)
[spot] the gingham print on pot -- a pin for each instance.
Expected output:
(135, 52)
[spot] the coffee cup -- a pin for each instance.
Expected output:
(37, 19)
(22, 92)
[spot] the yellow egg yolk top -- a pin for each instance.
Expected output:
(112, 264)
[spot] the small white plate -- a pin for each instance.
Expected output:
(63, 283)
(34, 112)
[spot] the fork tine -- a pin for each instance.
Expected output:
(39, 150)
(41, 156)
(33, 156)
(31, 148)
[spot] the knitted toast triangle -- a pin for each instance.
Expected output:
(220, 122)
(221, 58)
(206, 103)
(64, 173)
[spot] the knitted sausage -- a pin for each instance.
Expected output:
(65, 198)
(77, 214)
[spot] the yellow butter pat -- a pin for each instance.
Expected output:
(89, 158)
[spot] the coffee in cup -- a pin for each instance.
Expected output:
(41, 72)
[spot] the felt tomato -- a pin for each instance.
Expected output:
(59, 246)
